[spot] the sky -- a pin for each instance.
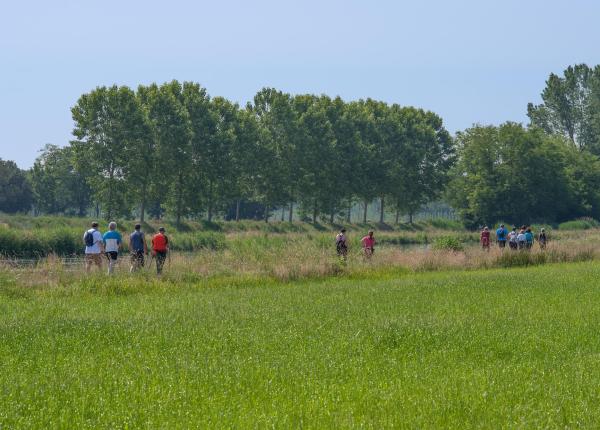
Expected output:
(471, 62)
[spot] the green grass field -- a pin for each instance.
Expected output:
(513, 348)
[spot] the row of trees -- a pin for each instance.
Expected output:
(173, 149)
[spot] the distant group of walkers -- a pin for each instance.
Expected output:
(110, 244)
(522, 239)
(367, 242)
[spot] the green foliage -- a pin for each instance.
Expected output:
(520, 175)
(579, 224)
(571, 107)
(448, 243)
(15, 190)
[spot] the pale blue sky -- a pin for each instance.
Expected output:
(470, 61)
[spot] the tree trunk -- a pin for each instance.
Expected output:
(410, 218)
(315, 213)
(210, 201)
(382, 212)
(97, 210)
(237, 209)
(143, 204)
(397, 216)
(291, 214)
(349, 214)
(331, 216)
(109, 211)
(365, 212)
(266, 213)
(179, 200)
(282, 213)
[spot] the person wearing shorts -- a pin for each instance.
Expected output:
(93, 248)
(137, 248)
(112, 243)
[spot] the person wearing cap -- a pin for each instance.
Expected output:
(160, 248)
(368, 244)
(112, 244)
(341, 244)
(501, 234)
(485, 238)
(137, 248)
(93, 247)
(542, 239)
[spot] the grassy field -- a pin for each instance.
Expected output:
(512, 348)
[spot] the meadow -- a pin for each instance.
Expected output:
(271, 329)
(496, 348)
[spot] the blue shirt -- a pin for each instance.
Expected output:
(501, 234)
(112, 240)
(136, 241)
(529, 237)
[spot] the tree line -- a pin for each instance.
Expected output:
(172, 150)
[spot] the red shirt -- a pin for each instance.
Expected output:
(368, 242)
(485, 237)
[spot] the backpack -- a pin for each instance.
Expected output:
(89, 238)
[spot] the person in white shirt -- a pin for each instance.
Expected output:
(512, 239)
(93, 247)
(341, 245)
(521, 238)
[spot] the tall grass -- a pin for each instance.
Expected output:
(35, 237)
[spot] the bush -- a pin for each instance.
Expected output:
(579, 224)
(448, 243)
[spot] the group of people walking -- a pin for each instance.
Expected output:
(521, 239)
(110, 245)
(367, 242)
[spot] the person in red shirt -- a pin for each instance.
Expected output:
(368, 244)
(160, 248)
(485, 238)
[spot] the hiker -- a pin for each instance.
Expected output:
(521, 240)
(112, 244)
(512, 239)
(93, 247)
(160, 248)
(341, 244)
(528, 238)
(368, 244)
(501, 234)
(485, 238)
(542, 239)
(137, 248)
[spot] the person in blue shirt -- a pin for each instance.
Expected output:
(528, 238)
(112, 243)
(138, 248)
(501, 235)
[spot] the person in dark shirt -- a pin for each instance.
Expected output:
(137, 248)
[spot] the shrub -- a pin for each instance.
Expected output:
(579, 224)
(448, 243)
